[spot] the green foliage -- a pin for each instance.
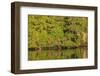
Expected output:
(49, 31)
(51, 35)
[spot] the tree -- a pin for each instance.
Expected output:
(56, 31)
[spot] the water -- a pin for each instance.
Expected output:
(78, 53)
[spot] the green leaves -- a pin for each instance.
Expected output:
(50, 31)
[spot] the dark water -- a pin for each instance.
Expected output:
(58, 54)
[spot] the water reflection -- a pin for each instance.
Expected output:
(77, 53)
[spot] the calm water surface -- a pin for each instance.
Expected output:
(78, 53)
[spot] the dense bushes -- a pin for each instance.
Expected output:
(56, 32)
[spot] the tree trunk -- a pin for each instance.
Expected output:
(40, 49)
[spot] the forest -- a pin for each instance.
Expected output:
(57, 37)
